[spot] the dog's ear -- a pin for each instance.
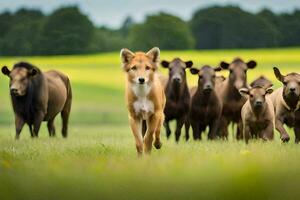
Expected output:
(269, 91)
(154, 54)
(5, 71)
(189, 64)
(194, 71)
(278, 74)
(224, 65)
(217, 69)
(244, 92)
(165, 64)
(126, 56)
(251, 64)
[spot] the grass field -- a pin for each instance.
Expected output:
(98, 160)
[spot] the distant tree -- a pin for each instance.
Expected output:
(231, 27)
(127, 24)
(163, 30)
(67, 31)
(289, 26)
(21, 32)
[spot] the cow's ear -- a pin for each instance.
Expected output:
(269, 91)
(194, 71)
(251, 64)
(217, 69)
(5, 71)
(126, 56)
(278, 75)
(224, 65)
(154, 54)
(244, 92)
(165, 64)
(189, 64)
(32, 72)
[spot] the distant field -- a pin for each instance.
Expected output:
(98, 160)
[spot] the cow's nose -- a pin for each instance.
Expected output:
(258, 103)
(141, 80)
(13, 90)
(292, 89)
(177, 79)
(208, 87)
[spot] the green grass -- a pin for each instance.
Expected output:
(98, 160)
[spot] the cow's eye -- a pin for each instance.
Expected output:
(214, 76)
(230, 70)
(133, 68)
(251, 95)
(200, 76)
(148, 68)
(284, 82)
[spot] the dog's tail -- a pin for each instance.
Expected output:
(144, 127)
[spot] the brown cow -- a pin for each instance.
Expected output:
(228, 91)
(261, 81)
(286, 101)
(177, 94)
(258, 113)
(206, 106)
(37, 97)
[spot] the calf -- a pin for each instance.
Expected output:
(206, 106)
(262, 81)
(177, 94)
(38, 96)
(286, 101)
(228, 92)
(257, 113)
(145, 97)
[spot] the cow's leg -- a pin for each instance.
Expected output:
(179, 124)
(195, 127)
(283, 134)
(187, 130)
(297, 134)
(223, 128)
(239, 132)
(135, 127)
(31, 131)
(168, 130)
(157, 142)
(65, 114)
(37, 123)
(213, 128)
(152, 124)
(268, 133)
(51, 127)
(19, 123)
(246, 133)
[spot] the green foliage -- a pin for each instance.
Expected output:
(231, 27)
(162, 30)
(67, 31)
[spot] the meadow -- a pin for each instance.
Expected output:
(98, 160)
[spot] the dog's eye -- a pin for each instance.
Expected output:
(148, 68)
(133, 68)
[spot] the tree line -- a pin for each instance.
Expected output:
(68, 31)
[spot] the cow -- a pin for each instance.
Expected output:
(258, 113)
(145, 97)
(177, 94)
(230, 96)
(206, 106)
(261, 81)
(286, 101)
(38, 96)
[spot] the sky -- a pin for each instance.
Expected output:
(111, 13)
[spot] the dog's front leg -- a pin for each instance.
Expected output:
(152, 123)
(135, 128)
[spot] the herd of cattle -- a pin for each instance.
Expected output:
(215, 102)
(154, 100)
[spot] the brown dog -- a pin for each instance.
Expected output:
(145, 97)
(37, 97)
(286, 101)
(257, 113)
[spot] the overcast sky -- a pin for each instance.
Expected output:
(112, 12)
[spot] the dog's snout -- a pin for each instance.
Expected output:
(141, 80)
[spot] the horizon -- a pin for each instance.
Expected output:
(138, 10)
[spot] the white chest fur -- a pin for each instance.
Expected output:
(142, 106)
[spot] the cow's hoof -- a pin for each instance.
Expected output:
(157, 145)
(285, 138)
